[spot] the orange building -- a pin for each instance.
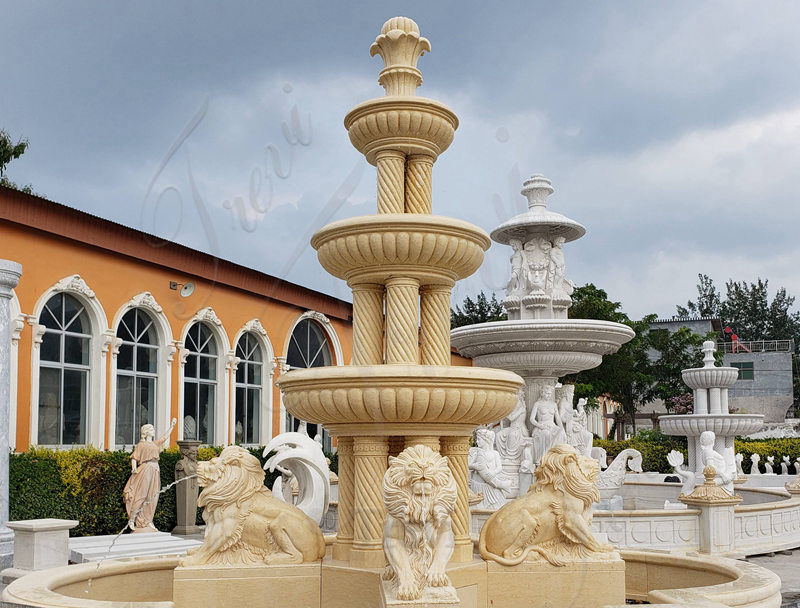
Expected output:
(103, 342)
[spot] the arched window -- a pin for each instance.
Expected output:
(64, 371)
(248, 390)
(200, 384)
(137, 375)
(308, 347)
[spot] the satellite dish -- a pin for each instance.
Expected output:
(187, 290)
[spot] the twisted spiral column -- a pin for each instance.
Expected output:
(402, 305)
(435, 325)
(367, 324)
(457, 451)
(419, 176)
(370, 455)
(391, 181)
(344, 534)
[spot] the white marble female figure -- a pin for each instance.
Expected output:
(511, 441)
(547, 428)
(537, 254)
(517, 284)
(486, 472)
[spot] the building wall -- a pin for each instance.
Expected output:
(108, 283)
(770, 391)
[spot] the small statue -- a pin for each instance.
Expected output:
(785, 465)
(143, 486)
(754, 459)
(187, 465)
(739, 470)
(578, 435)
(245, 524)
(613, 477)
(797, 466)
(537, 254)
(419, 493)
(486, 472)
(548, 430)
(689, 479)
(511, 442)
(768, 465)
(517, 283)
(552, 521)
(711, 458)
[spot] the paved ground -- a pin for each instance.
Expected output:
(787, 566)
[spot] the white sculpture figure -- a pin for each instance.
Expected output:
(486, 472)
(689, 479)
(709, 457)
(547, 430)
(601, 456)
(614, 476)
(518, 284)
(739, 469)
(419, 493)
(754, 459)
(785, 465)
(564, 395)
(768, 465)
(511, 442)
(537, 254)
(527, 470)
(302, 457)
(797, 466)
(561, 288)
(579, 436)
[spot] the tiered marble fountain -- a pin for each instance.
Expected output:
(538, 341)
(710, 386)
(401, 265)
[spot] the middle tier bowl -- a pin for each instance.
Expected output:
(404, 399)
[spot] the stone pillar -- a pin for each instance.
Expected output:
(714, 401)
(435, 325)
(419, 176)
(457, 451)
(187, 491)
(367, 324)
(10, 273)
(432, 441)
(402, 333)
(370, 455)
(39, 544)
(391, 181)
(716, 515)
(700, 401)
(344, 535)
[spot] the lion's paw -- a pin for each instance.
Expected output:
(407, 591)
(438, 579)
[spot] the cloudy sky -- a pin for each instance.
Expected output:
(670, 130)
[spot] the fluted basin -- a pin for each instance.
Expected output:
(541, 347)
(710, 377)
(431, 248)
(404, 395)
(723, 425)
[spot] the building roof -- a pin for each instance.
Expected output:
(42, 215)
(715, 322)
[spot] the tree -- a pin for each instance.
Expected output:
(10, 151)
(707, 303)
(480, 310)
(672, 352)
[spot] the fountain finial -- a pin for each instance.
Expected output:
(536, 189)
(708, 353)
(400, 45)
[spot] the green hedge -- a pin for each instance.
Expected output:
(654, 448)
(86, 484)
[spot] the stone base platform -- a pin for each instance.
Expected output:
(584, 584)
(97, 548)
(296, 585)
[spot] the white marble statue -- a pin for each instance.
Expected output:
(797, 466)
(547, 429)
(611, 480)
(561, 288)
(754, 460)
(537, 254)
(299, 457)
(517, 285)
(768, 465)
(739, 469)
(601, 456)
(579, 436)
(689, 478)
(486, 474)
(785, 465)
(511, 440)
(708, 457)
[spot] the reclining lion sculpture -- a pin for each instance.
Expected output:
(245, 524)
(552, 521)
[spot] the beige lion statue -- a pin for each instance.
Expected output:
(419, 493)
(245, 525)
(552, 521)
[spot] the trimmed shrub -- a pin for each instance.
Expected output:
(86, 484)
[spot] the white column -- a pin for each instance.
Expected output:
(10, 273)
(700, 401)
(714, 401)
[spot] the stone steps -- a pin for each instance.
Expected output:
(96, 548)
